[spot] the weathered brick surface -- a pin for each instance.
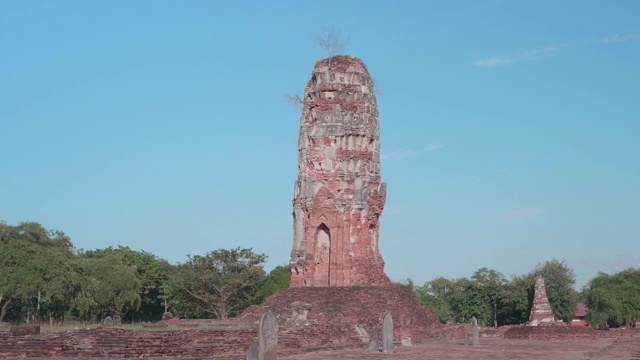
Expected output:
(557, 331)
(553, 333)
(315, 337)
(24, 330)
(119, 343)
(339, 195)
(12, 346)
(492, 349)
(338, 309)
(541, 312)
(109, 343)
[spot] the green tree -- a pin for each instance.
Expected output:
(168, 297)
(37, 271)
(560, 281)
(221, 283)
(278, 278)
(614, 300)
(437, 295)
(152, 273)
(406, 284)
(110, 287)
(514, 302)
(468, 301)
(490, 283)
(60, 283)
(461, 299)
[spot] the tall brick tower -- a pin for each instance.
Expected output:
(337, 273)
(339, 195)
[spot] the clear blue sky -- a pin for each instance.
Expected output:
(510, 129)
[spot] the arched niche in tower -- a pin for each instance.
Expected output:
(322, 256)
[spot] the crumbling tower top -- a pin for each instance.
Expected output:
(341, 64)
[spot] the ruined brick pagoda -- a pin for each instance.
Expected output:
(339, 291)
(339, 195)
(541, 312)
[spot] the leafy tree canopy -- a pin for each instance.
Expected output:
(37, 269)
(151, 272)
(278, 278)
(614, 300)
(222, 282)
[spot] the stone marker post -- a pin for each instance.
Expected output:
(374, 345)
(474, 322)
(254, 351)
(268, 336)
(267, 346)
(387, 333)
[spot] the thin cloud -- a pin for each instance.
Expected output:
(521, 213)
(434, 147)
(536, 54)
(614, 39)
(493, 61)
(407, 153)
(530, 55)
(398, 154)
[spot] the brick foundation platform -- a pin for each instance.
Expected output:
(337, 311)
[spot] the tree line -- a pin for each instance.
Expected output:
(43, 278)
(612, 300)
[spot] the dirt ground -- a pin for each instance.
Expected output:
(627, 348)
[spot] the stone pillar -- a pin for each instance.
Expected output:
(339, 195)
(476, 331)
(387, 333)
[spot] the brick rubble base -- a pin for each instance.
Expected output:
(335, 312)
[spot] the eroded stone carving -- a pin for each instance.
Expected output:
(362, 333)
(339, 195)
(299, 312)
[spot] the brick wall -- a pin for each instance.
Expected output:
(119, 343)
